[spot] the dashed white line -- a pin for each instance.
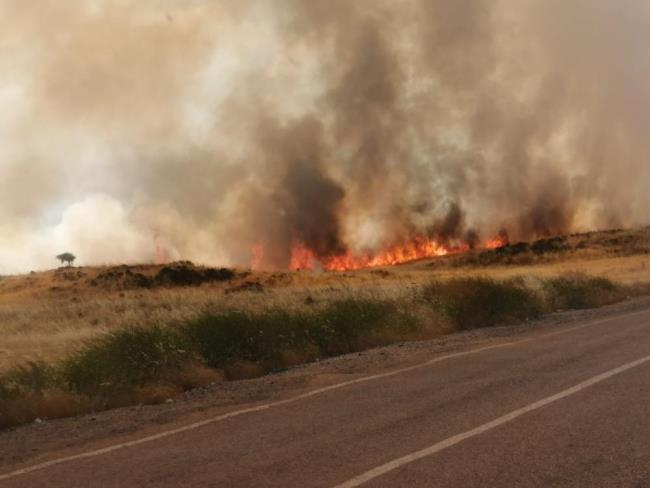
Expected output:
(509, 417)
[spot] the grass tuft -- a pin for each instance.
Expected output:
(34, 378)
(470, 303)
(223, 339)
(578, 291)
(275, 338)
(126, 358)
(352, 325)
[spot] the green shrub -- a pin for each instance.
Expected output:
(470, 303)
(576, 291)
(267, 338)
(223, 339)
(125, 359)
(346, 326)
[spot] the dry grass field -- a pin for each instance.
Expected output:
(75, 340)
(45, 316)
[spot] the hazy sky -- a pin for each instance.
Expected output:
(206, 127)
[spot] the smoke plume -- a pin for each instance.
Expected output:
(209, 128)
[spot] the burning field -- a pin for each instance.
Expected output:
(419, 248)
(74, 339)
(303, 258)
(44, 315)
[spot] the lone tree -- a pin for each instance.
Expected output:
(66, 257)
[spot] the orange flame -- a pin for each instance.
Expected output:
(302, 258)
(496, 242)
(419, 248)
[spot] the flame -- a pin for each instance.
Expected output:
(303, 258)
(419, 248)
(497, 242)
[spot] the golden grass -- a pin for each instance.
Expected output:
(50, 327)
(151, 365)
(623, 269)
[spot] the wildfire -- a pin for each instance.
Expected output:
(496, 242)
(303, 258)
(419, 248)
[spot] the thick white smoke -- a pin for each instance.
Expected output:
(208, 127)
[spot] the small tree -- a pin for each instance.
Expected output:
(66, 257)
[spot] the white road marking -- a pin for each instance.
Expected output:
(266, 406)
(509, 417)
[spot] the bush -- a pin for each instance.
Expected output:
(269, 339)
(125, 359)
(470, 303)
(351, 325)
(576, 291)
(223, 339)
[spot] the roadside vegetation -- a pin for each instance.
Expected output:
(154, 363)
(45, 316)
(471, 303)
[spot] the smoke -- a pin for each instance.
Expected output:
(208, 128)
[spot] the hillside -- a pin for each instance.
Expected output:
(45, 315)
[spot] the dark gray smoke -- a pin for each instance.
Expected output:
(207, 128)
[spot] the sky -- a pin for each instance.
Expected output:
(200, 129)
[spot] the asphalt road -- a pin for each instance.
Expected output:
(568, 408)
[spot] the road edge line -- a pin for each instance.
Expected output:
(481, 429)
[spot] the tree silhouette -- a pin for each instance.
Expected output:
(66, 257)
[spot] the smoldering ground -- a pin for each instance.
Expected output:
(345, 126)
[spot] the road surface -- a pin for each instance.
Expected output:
(568, 407)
